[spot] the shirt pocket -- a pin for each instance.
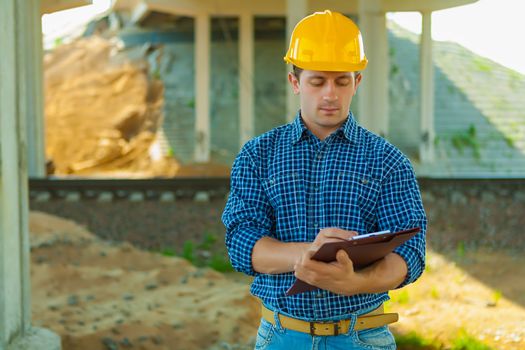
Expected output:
(285, 192)
(352, 199)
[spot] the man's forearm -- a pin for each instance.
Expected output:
(272, 256)
(384, 275)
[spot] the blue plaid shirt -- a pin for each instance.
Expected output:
(287, 184)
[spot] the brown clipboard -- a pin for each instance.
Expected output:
(363, 252)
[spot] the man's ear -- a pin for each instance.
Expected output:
(358, 78)
(294, 82)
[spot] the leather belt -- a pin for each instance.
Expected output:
(373, 319)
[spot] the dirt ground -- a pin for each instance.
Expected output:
(102, 295)
(110, 295)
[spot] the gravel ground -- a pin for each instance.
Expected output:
(150, 225)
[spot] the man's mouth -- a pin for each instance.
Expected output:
(329, 109)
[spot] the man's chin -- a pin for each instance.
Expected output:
(332, 119)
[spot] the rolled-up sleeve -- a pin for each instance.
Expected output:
(247, 215)
(399, 208)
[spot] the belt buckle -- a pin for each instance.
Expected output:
(334, 324)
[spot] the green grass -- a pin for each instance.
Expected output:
(462, 341)
(413, 341)
(482, 65)
(205, 253)
(467, 139)
(434, 293)
(167, 251)
(402, 297)
(460, 250)
(208, 241)
(188, 251)
(219, 263)
(496, 296)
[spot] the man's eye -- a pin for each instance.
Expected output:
(316, 82)
(343, 82)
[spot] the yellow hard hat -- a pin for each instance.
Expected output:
(327, 41)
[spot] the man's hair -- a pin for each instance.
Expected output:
(296, 71)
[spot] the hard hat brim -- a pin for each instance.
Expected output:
(328, 66)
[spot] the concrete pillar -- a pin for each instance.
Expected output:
(426, 149)
(373, 92)
(15, 290)
(202, 88)
(295, 11)
(246, 77)
(33, 81)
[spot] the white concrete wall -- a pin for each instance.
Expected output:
(15, 290)
(33, 80)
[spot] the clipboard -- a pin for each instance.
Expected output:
(362, 251)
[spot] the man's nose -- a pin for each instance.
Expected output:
(330, 93)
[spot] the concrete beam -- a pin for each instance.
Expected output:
(246, 78)
(346, 7)
(281, 8)
(219, 8)
(15, 289)
(202, 87)
(426, 149)
(422, 6)
(50, 6)
(373, 93)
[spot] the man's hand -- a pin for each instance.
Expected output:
(340, 277)
(331, 234)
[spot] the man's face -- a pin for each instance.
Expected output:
(325, 98)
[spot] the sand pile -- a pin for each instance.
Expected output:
(102, 112)
(102, 295)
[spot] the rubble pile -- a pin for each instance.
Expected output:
(102, 112)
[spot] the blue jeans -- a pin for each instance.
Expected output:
(275, 337)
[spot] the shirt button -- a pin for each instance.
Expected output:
(319, 156)
(316, 188)
(316, 225)
(319, 295)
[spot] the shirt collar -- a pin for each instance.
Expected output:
(298, 128)
(349, 129)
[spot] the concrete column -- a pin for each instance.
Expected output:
(373, 92)
(426, 149)
(34, 89)
(295, 11)
(15, 289)
(246, 77)
(202, 88)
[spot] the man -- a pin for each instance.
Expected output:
(322, 178)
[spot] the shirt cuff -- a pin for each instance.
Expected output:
(415, 264)
(241, 248)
